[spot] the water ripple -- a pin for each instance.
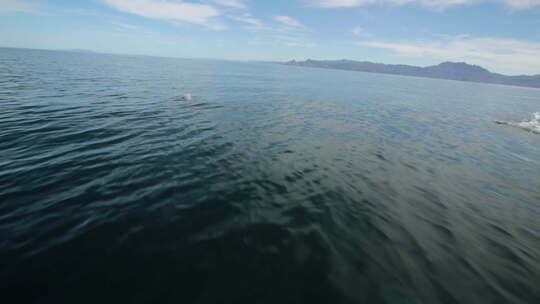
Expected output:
(168, 180)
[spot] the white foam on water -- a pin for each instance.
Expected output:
(532, 125)
(185, 97)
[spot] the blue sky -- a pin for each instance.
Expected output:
(501, 35)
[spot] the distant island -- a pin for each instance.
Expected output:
(446, 70)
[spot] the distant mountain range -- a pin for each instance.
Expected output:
(446, 70)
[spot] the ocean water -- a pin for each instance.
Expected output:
(129, 179)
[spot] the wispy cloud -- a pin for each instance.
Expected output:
(359, 31)
(285, 24)
(505, 55)
(294, 41)
(289, 21)
(253, 24)
(283, 40)
(197, 13)
(231, 3)
(80, 12)
(126, 26)
(17, 6)
(435, 4)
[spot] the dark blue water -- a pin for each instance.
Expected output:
(154, 180)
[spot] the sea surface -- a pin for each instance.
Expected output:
(131, 179)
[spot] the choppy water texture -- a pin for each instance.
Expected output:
(153, 180)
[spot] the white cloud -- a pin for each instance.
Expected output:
(17, 6)
(80, 12)
(126, 26)
(231, 3)
(502, 55)
(359, 31)
(286, 24)
(294, 41)
(169, 10)
(288, 21)
(283, 40)
(435, 4)
(254, 24)
(248, 20)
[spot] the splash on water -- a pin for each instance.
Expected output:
(185, 97)
(532, 125)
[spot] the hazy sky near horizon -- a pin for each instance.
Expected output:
(501, 35)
